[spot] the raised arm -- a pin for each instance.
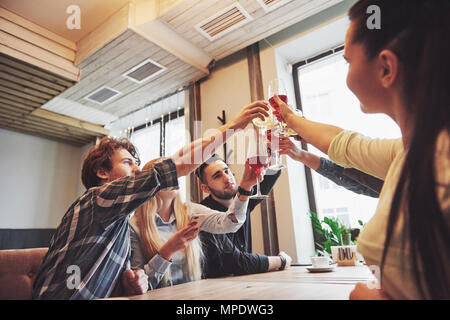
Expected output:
(191, 156)
(371, 186)
(214, 221)
(120, 197)
(348, 149)
(318, 134)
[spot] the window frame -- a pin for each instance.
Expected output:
(298, 100)
(163, 120)
(295, 75)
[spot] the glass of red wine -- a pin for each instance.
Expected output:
(277, 87)
(258, 159)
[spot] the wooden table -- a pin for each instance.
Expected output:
(295, 283)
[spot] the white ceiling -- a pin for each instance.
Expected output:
(315, 42)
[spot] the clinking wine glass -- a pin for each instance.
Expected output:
(268, 122)
(277, 87)
(258, 159)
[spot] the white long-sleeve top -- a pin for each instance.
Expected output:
(215, 222)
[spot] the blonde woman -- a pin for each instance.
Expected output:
(164, 233)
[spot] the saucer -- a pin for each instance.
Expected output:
(321, 269)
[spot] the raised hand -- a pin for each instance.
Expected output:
(257, 109)
(249, 177)
(287, 147)
(285, 111)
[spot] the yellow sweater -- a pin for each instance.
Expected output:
(384, 159)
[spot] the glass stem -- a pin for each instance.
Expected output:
(277, 158)
(258, 191)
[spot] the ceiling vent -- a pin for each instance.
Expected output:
(269, 5)
(102, 95)
(144, 71)
(225, 21)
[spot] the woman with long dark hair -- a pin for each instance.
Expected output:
(402, 70)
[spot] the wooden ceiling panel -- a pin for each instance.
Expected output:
(111, 64)
(167, 83)
(107, 66)
(197, 13)
(23, 90)
(117, 45)
(263, 24)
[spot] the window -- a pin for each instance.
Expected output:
(144, 140)
(175, 139)
(326, 98)
(157, 130)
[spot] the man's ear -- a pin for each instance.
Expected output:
(205, 188)
(388, 63)
(102, 174)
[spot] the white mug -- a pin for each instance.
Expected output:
(320, 262)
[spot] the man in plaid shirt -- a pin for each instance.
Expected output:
(89, 255)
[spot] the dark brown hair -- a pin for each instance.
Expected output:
(100, 157)
(417, 32)
(200, 170)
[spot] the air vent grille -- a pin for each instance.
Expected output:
(224, 22)
(269, 5)
(144, 71)
(102, 95)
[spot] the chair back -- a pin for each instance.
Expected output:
(18, 269)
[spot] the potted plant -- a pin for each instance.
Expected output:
(330, 232)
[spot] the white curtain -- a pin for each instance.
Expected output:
(147, 142)
(175, 139)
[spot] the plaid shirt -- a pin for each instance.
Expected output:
(94, 238)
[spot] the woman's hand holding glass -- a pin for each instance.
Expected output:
(286, 111)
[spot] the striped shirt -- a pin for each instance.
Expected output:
(91, 246)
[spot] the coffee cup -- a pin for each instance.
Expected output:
(320, 262)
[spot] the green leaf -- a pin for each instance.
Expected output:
(328, 232)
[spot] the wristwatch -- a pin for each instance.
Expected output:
(283, 262)
(244, 192)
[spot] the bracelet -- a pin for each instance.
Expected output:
(244, 192)
(283, 262)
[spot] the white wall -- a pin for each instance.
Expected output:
(228, 88)
(40, 179)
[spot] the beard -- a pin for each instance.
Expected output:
(223, 195)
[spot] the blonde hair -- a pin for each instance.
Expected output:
(144, 221)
